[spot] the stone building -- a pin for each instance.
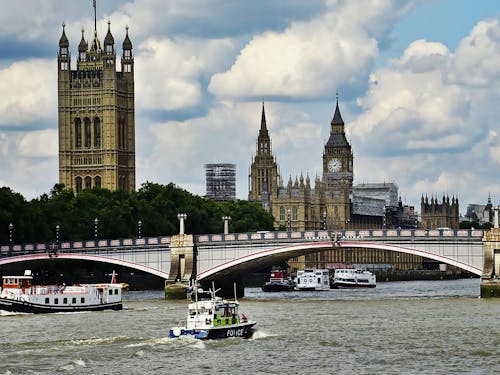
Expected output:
(299, 205)
(439, 215)
(96, 114)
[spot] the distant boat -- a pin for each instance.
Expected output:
(353, 278)
(279, 282)
(212, 317)
(18, 294)
(313, 279)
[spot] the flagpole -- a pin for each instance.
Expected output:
(95, 16)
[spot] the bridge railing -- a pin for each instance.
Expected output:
(68, 246)
(341, 234)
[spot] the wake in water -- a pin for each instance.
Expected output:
(73, 364)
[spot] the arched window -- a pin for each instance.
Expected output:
(88, 182)
(97, 181)
(124, 134)
(78, 133)
(295, 212)
(97, 132)
(87, 132)
(78, 184)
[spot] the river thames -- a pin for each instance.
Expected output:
(414, 327)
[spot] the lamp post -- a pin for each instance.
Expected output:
(139, 225)
(57, 235)
(11, 229)
(96, 223)
(384, 220)
(288, 221)
(324, 220)
(226, 223)
(181, 218)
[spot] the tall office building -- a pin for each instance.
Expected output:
(96, 114)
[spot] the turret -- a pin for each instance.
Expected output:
(127, 57)
(63, 57)
(82, 48)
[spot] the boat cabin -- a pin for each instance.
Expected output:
(18, 282)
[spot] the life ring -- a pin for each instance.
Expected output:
(176, 331)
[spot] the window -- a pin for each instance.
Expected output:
(295, 213)
(127, 53)
(78, 184)
(109, 48)
(56, 301)
(88, 182)
(73, 300)
(127, 68)
(64, 65)
(78, 133)
(97, 132)
(47, 300)
(82, 56)
(97, 181)
(282, 213)
(87, 132)
(82, 300)
(65, 300)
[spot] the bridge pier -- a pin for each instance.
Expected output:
(182, 266)
(490, 279)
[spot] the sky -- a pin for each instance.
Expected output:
(418, 84)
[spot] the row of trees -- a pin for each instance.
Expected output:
(152, 210)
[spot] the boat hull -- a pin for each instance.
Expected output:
(351, 285)
(243, 330)
(32, 308)
(278, 287)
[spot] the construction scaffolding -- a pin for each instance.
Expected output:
(221, 181)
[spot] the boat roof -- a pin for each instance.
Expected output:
(17, 277)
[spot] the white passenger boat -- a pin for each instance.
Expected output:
(313, 279)
(212, 317)
(18, 294)
(353, 278)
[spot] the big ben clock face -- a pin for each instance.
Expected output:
(334, 165)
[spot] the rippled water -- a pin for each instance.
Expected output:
(421, 327)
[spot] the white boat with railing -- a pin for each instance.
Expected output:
(18, 294)
(353, 278)
(313, 279)
(212, 317)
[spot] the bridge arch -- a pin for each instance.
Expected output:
(279, 254)
(88, 257)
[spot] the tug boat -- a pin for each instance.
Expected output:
(279, 282)
(353, 278)
(313, 279)
(19, 295)
(212, 317)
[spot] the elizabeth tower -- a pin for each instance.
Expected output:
(96, 115)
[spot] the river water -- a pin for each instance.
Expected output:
(413, 327)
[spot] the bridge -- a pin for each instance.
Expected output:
(223, 258)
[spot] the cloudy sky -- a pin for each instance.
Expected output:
(418, 82)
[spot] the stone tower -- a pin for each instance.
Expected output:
(264, 175)
(337, 174)
(96, 114)
(439, 215)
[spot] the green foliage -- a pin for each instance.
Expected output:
(118, 214)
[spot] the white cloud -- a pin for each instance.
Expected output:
(29, 92)
(311, 59)
(168, 72)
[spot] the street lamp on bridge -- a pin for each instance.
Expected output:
(57, 235)
(181, 218)
(324, 220)
(139, 225)
(226, 223)
(11, 230)
(288, 221)
(96, 223)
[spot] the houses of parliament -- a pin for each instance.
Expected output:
(96, 114)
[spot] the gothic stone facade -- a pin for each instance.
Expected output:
(298, 206)
(439, 215)
(96, 115)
